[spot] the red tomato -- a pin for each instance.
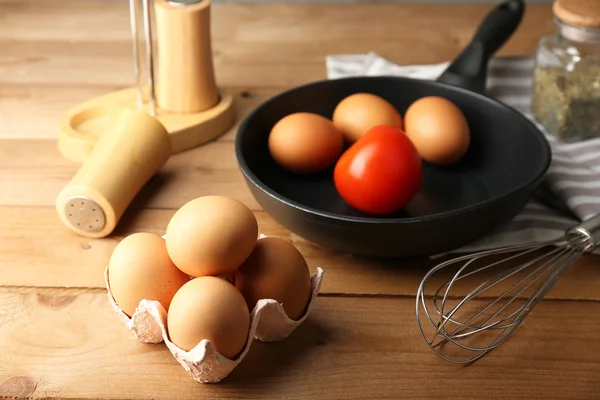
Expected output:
(381, 172)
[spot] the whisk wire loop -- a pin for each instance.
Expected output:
(485, 286)
(496, 316)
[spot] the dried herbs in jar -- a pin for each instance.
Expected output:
(567, 103)
(566, 92)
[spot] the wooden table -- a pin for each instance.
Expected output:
(58, 334)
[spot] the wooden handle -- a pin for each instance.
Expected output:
(185, 81)
(132, 149)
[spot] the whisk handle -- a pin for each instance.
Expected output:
(589, 230)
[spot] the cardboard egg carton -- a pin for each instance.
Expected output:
(268, 323)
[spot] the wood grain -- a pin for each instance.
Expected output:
(36, 181)
(272, 22)
(60, 339)
(36, 250)
(69, 344)
(51, 102)
(286, 46)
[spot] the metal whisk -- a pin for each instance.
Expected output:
(508, 283)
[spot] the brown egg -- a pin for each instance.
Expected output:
(209, 308)
(211, 235)
(140, 268)
(358, 113)
(305, 143)
(438, 129)
(275, 270)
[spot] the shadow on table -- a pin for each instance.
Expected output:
(266, 360)
(145, 196)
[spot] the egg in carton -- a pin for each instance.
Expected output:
(268, 323)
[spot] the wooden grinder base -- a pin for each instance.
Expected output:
(81, 127)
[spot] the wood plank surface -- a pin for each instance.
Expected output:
(38, 49)
(37, 181)
(285, 47)
(60, 339)
(70, 344)
(76, 21)
(51, 103)
(36, 250)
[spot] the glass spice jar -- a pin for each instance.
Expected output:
(566, 88)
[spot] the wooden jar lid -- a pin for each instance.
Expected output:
(583, 13)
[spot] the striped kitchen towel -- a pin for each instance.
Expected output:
(573, 179)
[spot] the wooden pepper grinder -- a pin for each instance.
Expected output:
(125, 157)
(185, 98)
(135, 130)
(185, 77)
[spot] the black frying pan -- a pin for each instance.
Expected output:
(507, 159)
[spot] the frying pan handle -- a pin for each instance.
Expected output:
(469, 69)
